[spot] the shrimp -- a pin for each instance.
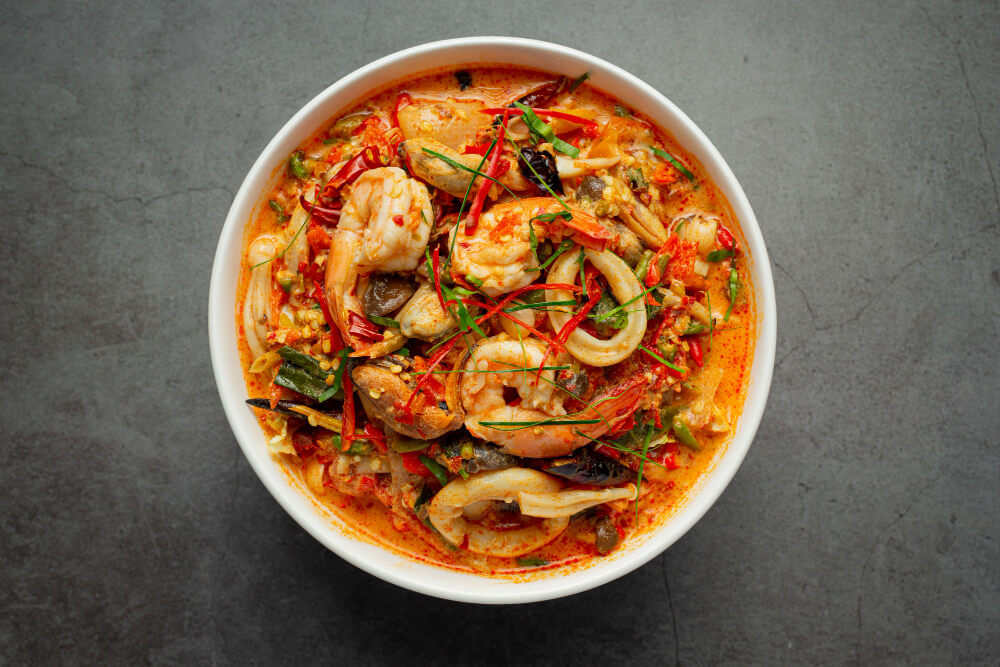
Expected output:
(541, 400)
(445, 512)
(257, 307)
(384, 226)
(499, 251)
(454, 123)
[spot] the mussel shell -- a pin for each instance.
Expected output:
(588, 467)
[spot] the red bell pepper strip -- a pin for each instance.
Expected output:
(590, 128)
(472, 221)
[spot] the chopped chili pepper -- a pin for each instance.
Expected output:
(726, 239)
(317, 238)
(362, 328)
(653, 276)
(398, 219)
(664, 174)
(477, 149)
(695, 349)
(477, 204)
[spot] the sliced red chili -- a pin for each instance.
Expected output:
(361, 328)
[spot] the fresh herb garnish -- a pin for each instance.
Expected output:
(539, 304)
(578, 80)
(718, 255)
(542, 422)
(674, 161)
(384, 321)
(477, 172)
(734, 284)
(435, 469)
(660, 359)
(622, 112)
(542, 129)
(472, 280)
(642, 465)
(403, 352)
(532, 561)
(608, 312)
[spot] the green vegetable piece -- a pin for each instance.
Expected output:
(636, 180)
(695, 328)
(622, 112)
(403, 444)
(684, 435)
(276, 207)
(544, 130)
(642, 266)
(606, 312)
(358, 447)
(298, 167)
(734, 284)
(299, 380)
(472, 280)
(436, 469)
(425, 497)
(384, 321)
(718, 255)
(302, 360)
(403, 352)
(532, 561)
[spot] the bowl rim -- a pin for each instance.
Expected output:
(427, 579)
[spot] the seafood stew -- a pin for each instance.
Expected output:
(496, 320)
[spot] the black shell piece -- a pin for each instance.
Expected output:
(544, 164)
(464, 79)
(282, 408)
(484, 455)
(589, 467)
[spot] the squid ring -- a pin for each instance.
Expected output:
(626, 288)
(445, 512)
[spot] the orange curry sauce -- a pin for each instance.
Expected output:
(729, 346)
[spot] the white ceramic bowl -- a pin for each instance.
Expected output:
(324, 525)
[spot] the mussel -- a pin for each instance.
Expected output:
(588, 467)
(293, 409)
(478, 454)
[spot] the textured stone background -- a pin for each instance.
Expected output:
(862, 527)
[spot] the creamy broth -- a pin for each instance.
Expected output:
(657, 211)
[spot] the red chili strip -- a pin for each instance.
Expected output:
(404, 100)
(436, 270)
(589, 126)
(375, 434)
(362, 328)
(695, 349)
(472, 221)
(518, 322)
(357, 165)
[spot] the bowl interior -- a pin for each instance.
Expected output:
(324, 525)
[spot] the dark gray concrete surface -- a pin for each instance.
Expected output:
(862, 528)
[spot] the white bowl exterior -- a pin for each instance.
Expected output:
(384, 563)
